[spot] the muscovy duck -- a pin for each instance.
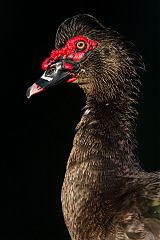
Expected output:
(105, 193)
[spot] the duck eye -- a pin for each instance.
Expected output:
(80, 45)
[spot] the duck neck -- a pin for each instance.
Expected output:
(106, 134)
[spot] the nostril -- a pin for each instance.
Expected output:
(50, 71)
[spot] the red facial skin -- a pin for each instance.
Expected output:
(70, 50)
(74, 51)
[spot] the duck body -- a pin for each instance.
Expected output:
(105, 183)
(106, 195)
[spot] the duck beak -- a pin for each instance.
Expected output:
(58, 72)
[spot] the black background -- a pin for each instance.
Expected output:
(38, 132)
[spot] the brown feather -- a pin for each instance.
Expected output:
(106, 194)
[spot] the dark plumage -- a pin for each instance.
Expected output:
(106, 194)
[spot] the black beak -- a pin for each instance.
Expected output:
(56, 74)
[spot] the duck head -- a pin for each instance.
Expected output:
(64, 63)
(94, 57)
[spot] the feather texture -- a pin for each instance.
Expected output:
(106, 194)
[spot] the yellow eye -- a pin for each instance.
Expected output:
(80, 45)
